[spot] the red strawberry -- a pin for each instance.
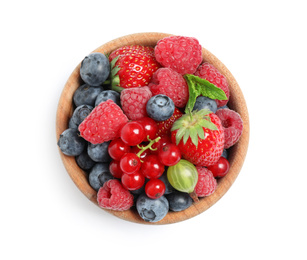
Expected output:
(131, 50)
(164, 127)
(200, 137)
(133, 102)
(103, 123)
(132, 68)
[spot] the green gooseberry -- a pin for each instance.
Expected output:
(183, 176)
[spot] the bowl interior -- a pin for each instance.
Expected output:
(236, 155)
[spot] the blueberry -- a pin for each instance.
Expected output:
(152, 210)
(108, 94)
(84, 161)
(95, 69)
(168, 187)
(79, 114)
(205, 103)
(179, 201)
(223, 107)
(86, 95)
(160, 107)
(72, 124)
(71, 143)
(225, 154)
(99, 152)
(99, 175)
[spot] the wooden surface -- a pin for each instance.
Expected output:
(236, 155)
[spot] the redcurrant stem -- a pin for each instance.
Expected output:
(143, 148)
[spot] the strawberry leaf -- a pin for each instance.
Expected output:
(200, 131)
(198, 86)
(179, 135)
(194, 136)
(208, 124)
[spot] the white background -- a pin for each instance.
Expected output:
(263, 215)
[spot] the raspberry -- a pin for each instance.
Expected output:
(206, 183)
(210, 73)
(232, 124)
(112, 195)
(103, 123)
(180, 53)
(164, 127)
(133, 102)
(170, 83)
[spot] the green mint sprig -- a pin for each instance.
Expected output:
(198, 86)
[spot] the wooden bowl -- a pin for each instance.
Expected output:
(237, 153)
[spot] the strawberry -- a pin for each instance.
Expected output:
(164, 127)
(132, 66)
(131, 50)
(199, 136)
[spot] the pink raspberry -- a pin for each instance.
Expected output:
(112, 195)
(232, 124)
(103, 123)
(206, 183)
(180, 53)
(170, 83)
(134, 100)
(210, 73)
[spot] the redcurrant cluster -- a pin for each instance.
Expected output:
(140, 156)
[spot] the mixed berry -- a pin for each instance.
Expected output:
(151, 127)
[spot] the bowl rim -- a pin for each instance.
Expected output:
(237, 152)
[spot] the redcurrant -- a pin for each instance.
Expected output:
(117, 148)
(154, 188)
(132, 133)
(115, 169)
(133, 181)
(165, 139)
(152, 167)
(169, 154)
(150, 127)
(130, 163)
(221, 168)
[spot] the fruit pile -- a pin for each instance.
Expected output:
(151, 126)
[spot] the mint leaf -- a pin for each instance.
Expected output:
(198, 86)
(194, 92)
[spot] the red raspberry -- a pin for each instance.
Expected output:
(180, 53)
(206, 183)
(164, 127)
(232, 124)
(134, 100)
(103, 123)
(210, 73)
(112, 195)
(172, 84)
